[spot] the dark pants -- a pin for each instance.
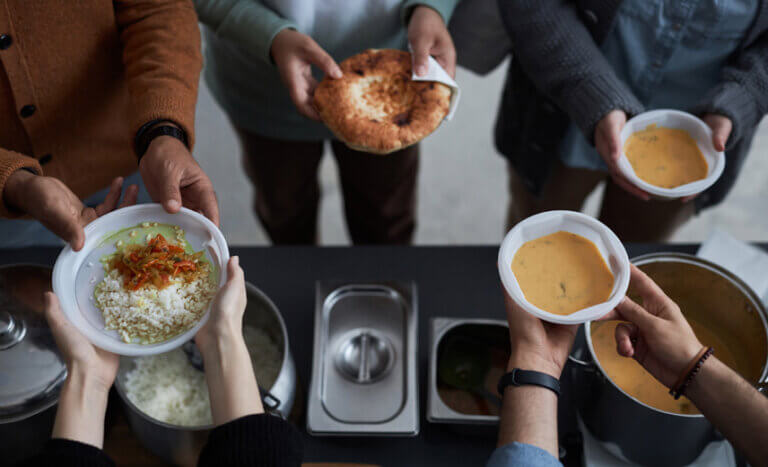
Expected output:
(379, 191)
(630, 218)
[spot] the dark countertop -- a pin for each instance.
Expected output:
(451, 282)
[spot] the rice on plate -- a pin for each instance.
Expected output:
(168, 388)
(154, 288)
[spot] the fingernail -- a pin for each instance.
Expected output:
(236, 260)
(421, 70)
(337, 73)
(172, 204)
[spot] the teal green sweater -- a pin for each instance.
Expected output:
(240, 72)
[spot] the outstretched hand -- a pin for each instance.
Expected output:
(294, 54)
(428, 35)
(656, 333)
(52, 203)
(537, 345)
(608, 145)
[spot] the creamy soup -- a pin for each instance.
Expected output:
(562, 273)
(665, 157)
(632, 378)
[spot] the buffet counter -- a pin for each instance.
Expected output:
(459, 282)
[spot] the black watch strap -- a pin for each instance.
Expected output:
(145, 136)
(518, 377)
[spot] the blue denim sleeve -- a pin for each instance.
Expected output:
(519, 454)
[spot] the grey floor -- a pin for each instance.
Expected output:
(462, 195)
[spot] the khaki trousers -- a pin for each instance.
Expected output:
(379, 191)
(631, 219)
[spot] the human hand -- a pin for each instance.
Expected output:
(428, 35)
(54, 205)
(608, 145)
(657, 334)
(174, 179)
(536, 344)
(226, 319)
(83, 359)
(294, 54)
(721, 129)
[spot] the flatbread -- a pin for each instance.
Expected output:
(376, 107)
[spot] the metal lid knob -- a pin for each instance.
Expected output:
(11, 331)
(364, 356)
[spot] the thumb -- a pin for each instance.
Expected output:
(171, 194)
(630, 311)
(721, 130)
(420, 56)
(320, 58)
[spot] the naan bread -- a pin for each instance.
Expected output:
(376, 107)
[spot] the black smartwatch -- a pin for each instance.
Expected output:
(518, 377)
(145, 135)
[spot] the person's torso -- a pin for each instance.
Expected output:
(66, 61)
(341, 27)
(669, 53)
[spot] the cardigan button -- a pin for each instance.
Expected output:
(27, 111)
(5, 41)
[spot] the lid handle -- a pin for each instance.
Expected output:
(11, 330)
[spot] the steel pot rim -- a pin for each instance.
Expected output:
(250, 289)
(689, 259)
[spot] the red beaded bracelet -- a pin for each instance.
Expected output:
(678, 389)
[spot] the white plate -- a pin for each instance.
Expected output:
(76, 273)
(549, 222)
(683, 121)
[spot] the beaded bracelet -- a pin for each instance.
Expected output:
(693, 369)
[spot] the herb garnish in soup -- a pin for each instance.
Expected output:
(665, 157)
(562, 273)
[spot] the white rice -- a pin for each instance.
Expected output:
(150, 315)
(168, 388)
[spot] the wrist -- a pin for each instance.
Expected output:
(155, 130)
(82, 378)
(219, 340)
(15, 189)
(531, 361)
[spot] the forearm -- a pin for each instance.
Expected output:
(82, 405)
(734, 407)
(231, 383)
(162, 61)
(529, 413)
(558, 53)
(248, 23)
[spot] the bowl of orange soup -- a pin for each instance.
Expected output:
(669, 154)
(564, 267)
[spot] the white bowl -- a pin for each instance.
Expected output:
(549, 222)
(700, 132)
(76, 273)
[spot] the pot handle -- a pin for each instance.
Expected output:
(762, 388)
(583, 364)
(271, 403)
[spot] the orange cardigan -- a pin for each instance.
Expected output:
(79, 78)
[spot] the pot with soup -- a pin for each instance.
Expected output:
(625, 407)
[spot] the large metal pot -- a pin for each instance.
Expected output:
(642, 434)
(182, 444)
(31, 370)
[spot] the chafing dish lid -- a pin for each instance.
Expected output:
(31, 369)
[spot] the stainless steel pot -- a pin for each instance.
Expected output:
(181, 444)
(642, 434)
(31, 370)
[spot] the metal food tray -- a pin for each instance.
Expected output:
(364, 370)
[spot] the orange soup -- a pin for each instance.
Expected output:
(632, 378)
(562, 273)
(665, 157)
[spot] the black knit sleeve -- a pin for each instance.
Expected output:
(67, 453)
(255, 440)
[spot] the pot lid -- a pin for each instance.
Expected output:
(31, 370)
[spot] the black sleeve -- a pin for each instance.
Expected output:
(67, 453)
(255, 440)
